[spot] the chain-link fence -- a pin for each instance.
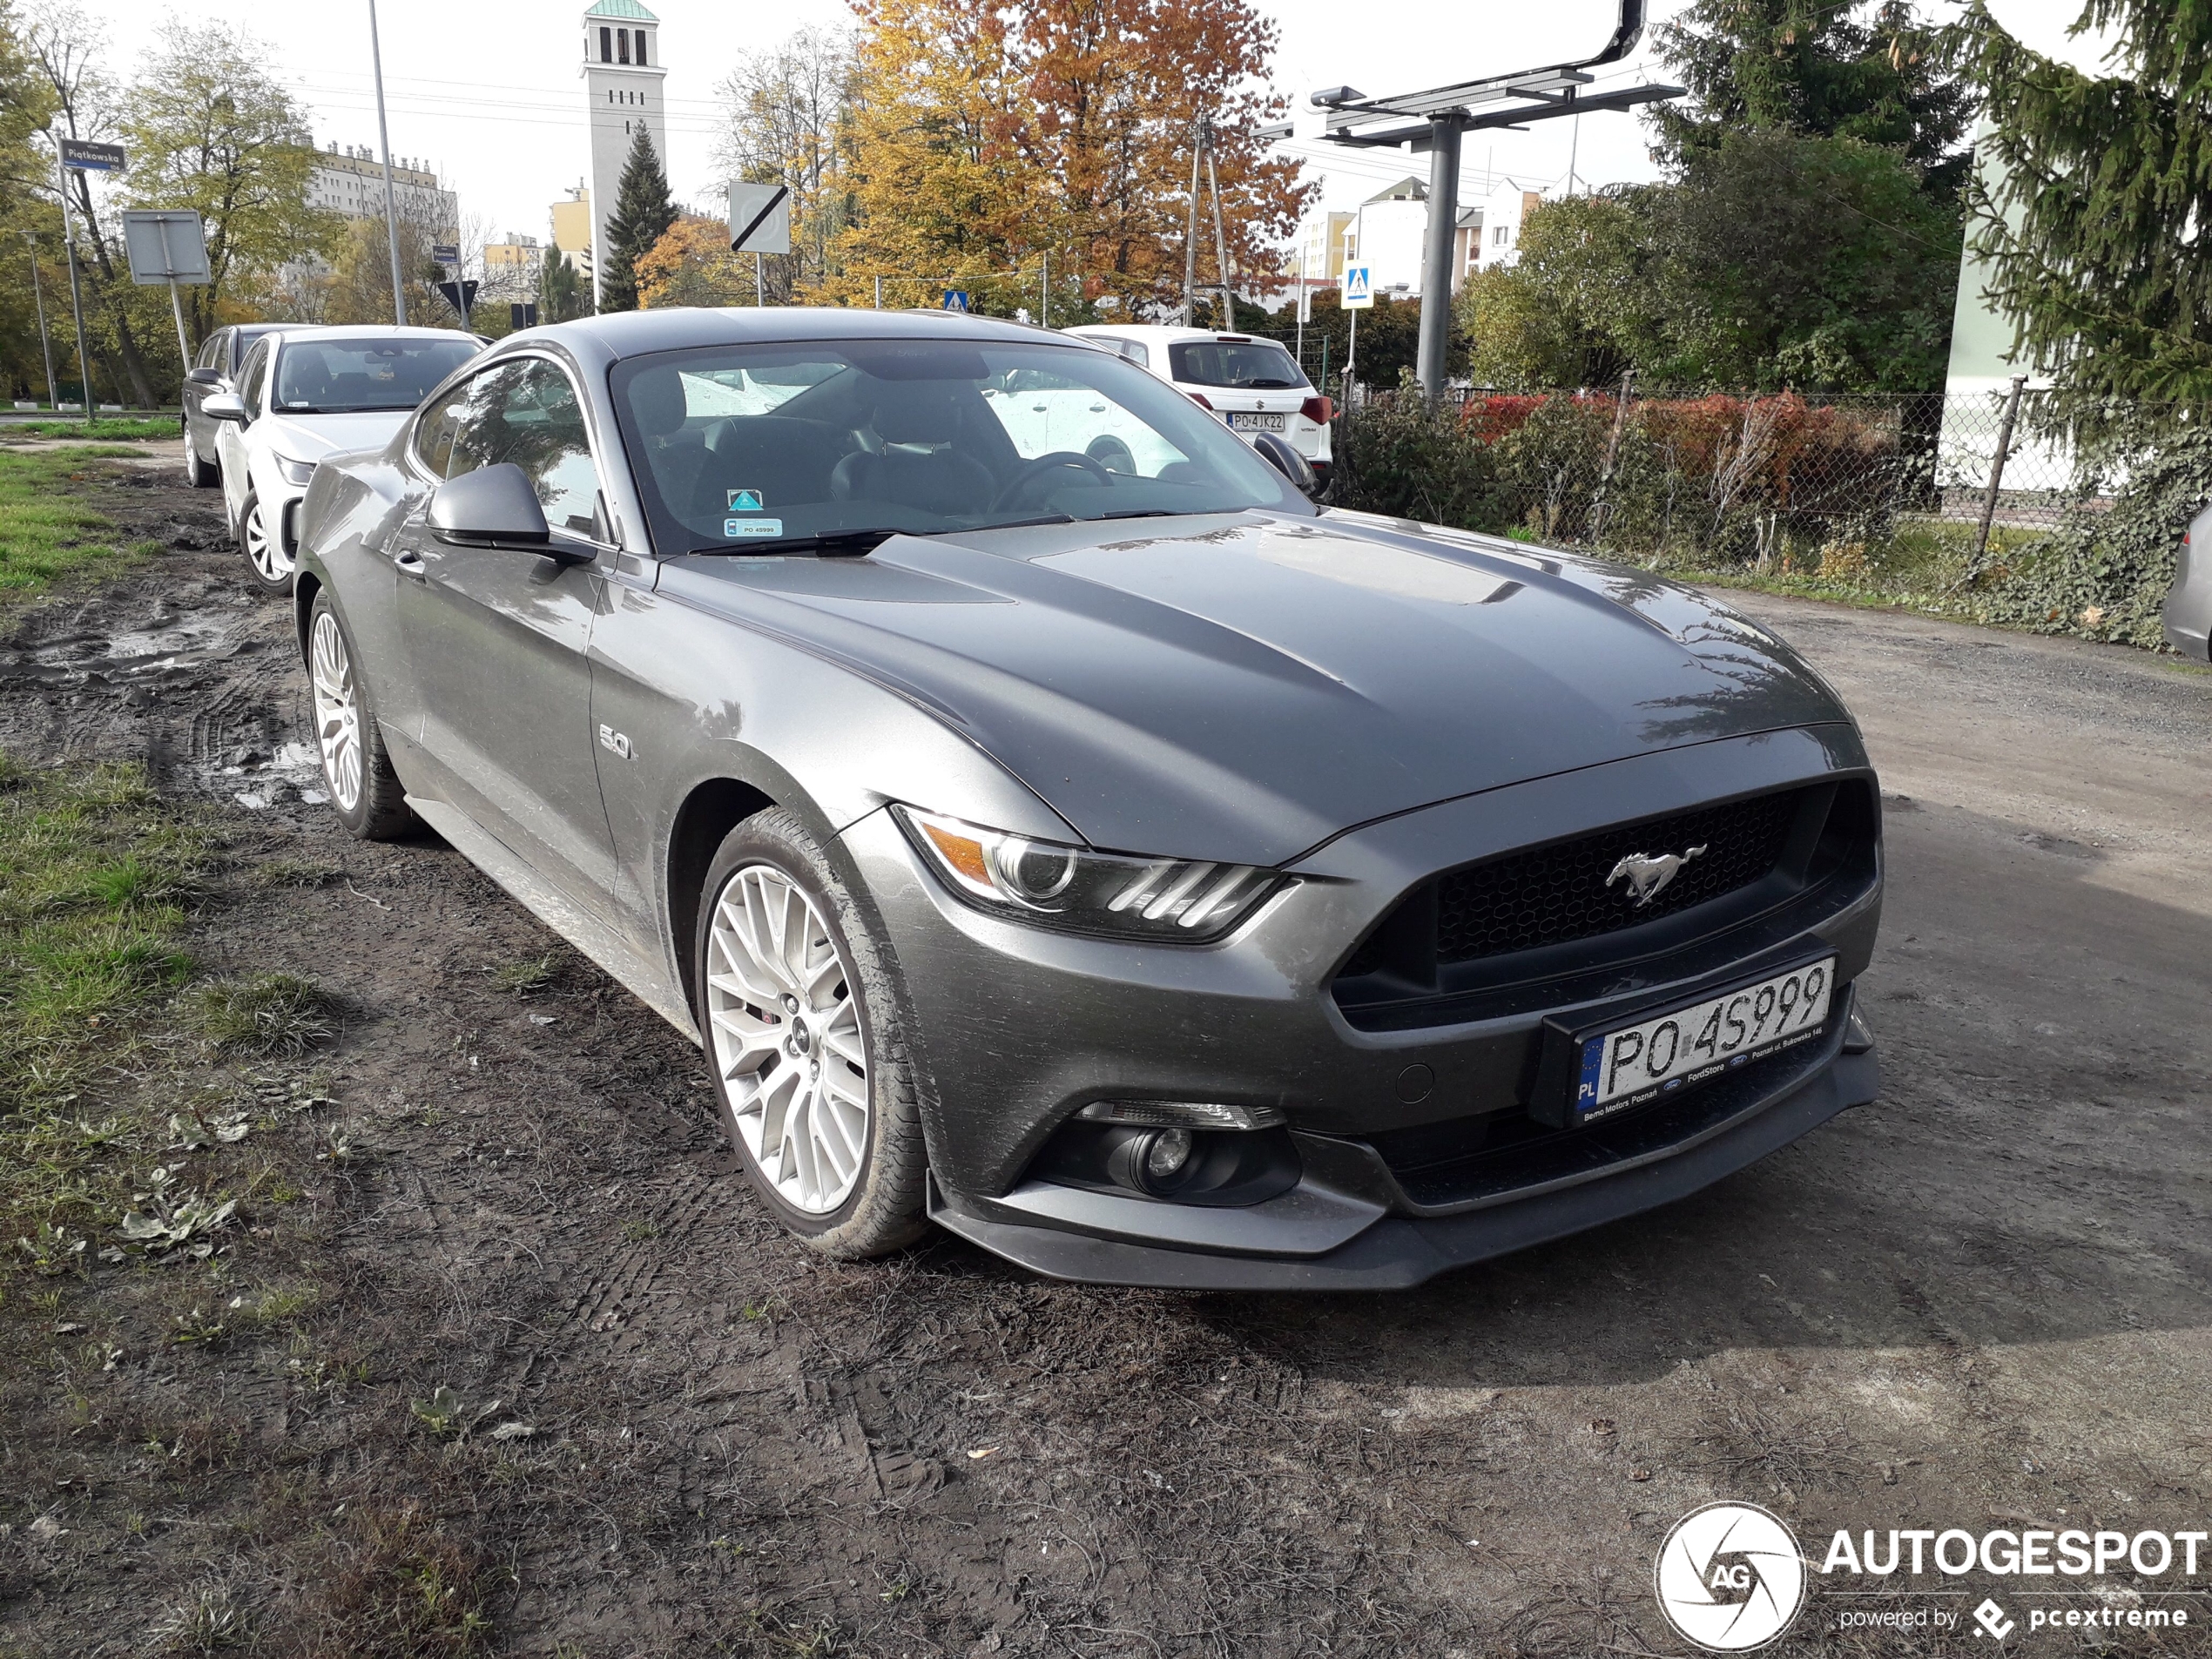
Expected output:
(1732, 475)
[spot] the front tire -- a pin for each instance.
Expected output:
(257, 539)
(364, 790)
(796, 1003)
(199, 474)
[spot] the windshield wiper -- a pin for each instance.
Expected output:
(854, 540)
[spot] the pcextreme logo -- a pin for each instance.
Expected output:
(1730, 1577)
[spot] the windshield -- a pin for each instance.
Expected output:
(1256, 365)
(338, 376)
(751, 447)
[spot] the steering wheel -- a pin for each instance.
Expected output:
(1043, 464)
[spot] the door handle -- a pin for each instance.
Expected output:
(409, 562)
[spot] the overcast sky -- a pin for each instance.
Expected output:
(490, 93)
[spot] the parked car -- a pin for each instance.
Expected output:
(1145, 875)
(213, 370)
(2188, 615)
(305, 394)
(1251, 383)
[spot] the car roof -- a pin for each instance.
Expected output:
(614, 335)
(1154, 333)
(367, 330)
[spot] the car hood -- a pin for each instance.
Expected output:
(310, 437)
(1243, 687)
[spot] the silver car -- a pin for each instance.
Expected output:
(2188, 615)
(1139, 870)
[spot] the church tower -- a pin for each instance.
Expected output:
(622, 77)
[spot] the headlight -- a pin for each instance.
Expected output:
(295, 472)
(1183, 899)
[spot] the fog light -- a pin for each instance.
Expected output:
(1170, 1151)
(1180, 1114)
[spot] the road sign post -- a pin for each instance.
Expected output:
(45, 340)
(1358, 296)
(84, 157)
(171, 248)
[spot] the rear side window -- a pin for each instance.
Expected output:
(212, 350)
(1256, 365)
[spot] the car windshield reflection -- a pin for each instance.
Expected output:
(824, 446)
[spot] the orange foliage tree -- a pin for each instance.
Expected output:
(986, 138)
(692, 265)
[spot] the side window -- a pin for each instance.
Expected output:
(433, 428)
(525, 412)
(212, 350)
(254, 380)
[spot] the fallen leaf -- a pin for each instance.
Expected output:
(982, 1450)
(1639, 1474)
(46, 1527)
(513, 1432)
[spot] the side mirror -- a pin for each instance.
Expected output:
(225, 406)
(203, 377)
(1288, 461)
(490, 506)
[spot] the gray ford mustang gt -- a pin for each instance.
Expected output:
(1054, 826)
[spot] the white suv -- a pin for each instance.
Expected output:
(1250, 382)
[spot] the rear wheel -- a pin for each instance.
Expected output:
(198, 473)
(802, 1031)
(265, 557)
(365, 792)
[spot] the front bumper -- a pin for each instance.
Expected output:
(1015, 1029)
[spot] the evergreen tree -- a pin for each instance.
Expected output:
(562, 296)
(2092, 196)
(642, 216)
(1811, 66)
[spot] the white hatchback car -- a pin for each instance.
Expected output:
(1250, 382)
(306, 393)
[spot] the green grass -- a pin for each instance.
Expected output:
(48, 530)
(275, 1013)
(159, 426)
(93, 870)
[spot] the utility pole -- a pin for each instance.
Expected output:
(1190, 233)
(1445, 132)
(391, 196)
(1220, 242)
(75, 292)
(45, 340)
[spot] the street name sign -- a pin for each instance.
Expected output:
(88, 157)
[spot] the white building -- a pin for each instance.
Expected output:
(351, 182)
(1389, 235)
(1504, 210)
(622, 77)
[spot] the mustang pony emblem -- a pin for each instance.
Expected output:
(1648, 876)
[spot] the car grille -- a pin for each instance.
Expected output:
(1555, 895)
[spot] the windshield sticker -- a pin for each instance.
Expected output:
(747, 500)
(737, 527)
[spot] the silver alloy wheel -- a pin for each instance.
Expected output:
(338, 712)
(785, 1035)
(261, 547)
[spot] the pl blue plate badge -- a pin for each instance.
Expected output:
(748, 501)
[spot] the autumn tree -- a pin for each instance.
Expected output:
(692, 265)
(24, 105)
(212, 131)
(2093, 197)
(642, 214)
(991, 137)
(786, 114)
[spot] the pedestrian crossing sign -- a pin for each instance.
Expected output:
(1359, 289)
(745, 500)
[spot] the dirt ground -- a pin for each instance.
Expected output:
(1983, 1301)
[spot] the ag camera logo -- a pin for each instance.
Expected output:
(1730, 1577)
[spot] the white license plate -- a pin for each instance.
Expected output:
(1242, 420)
(1671, 1051)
